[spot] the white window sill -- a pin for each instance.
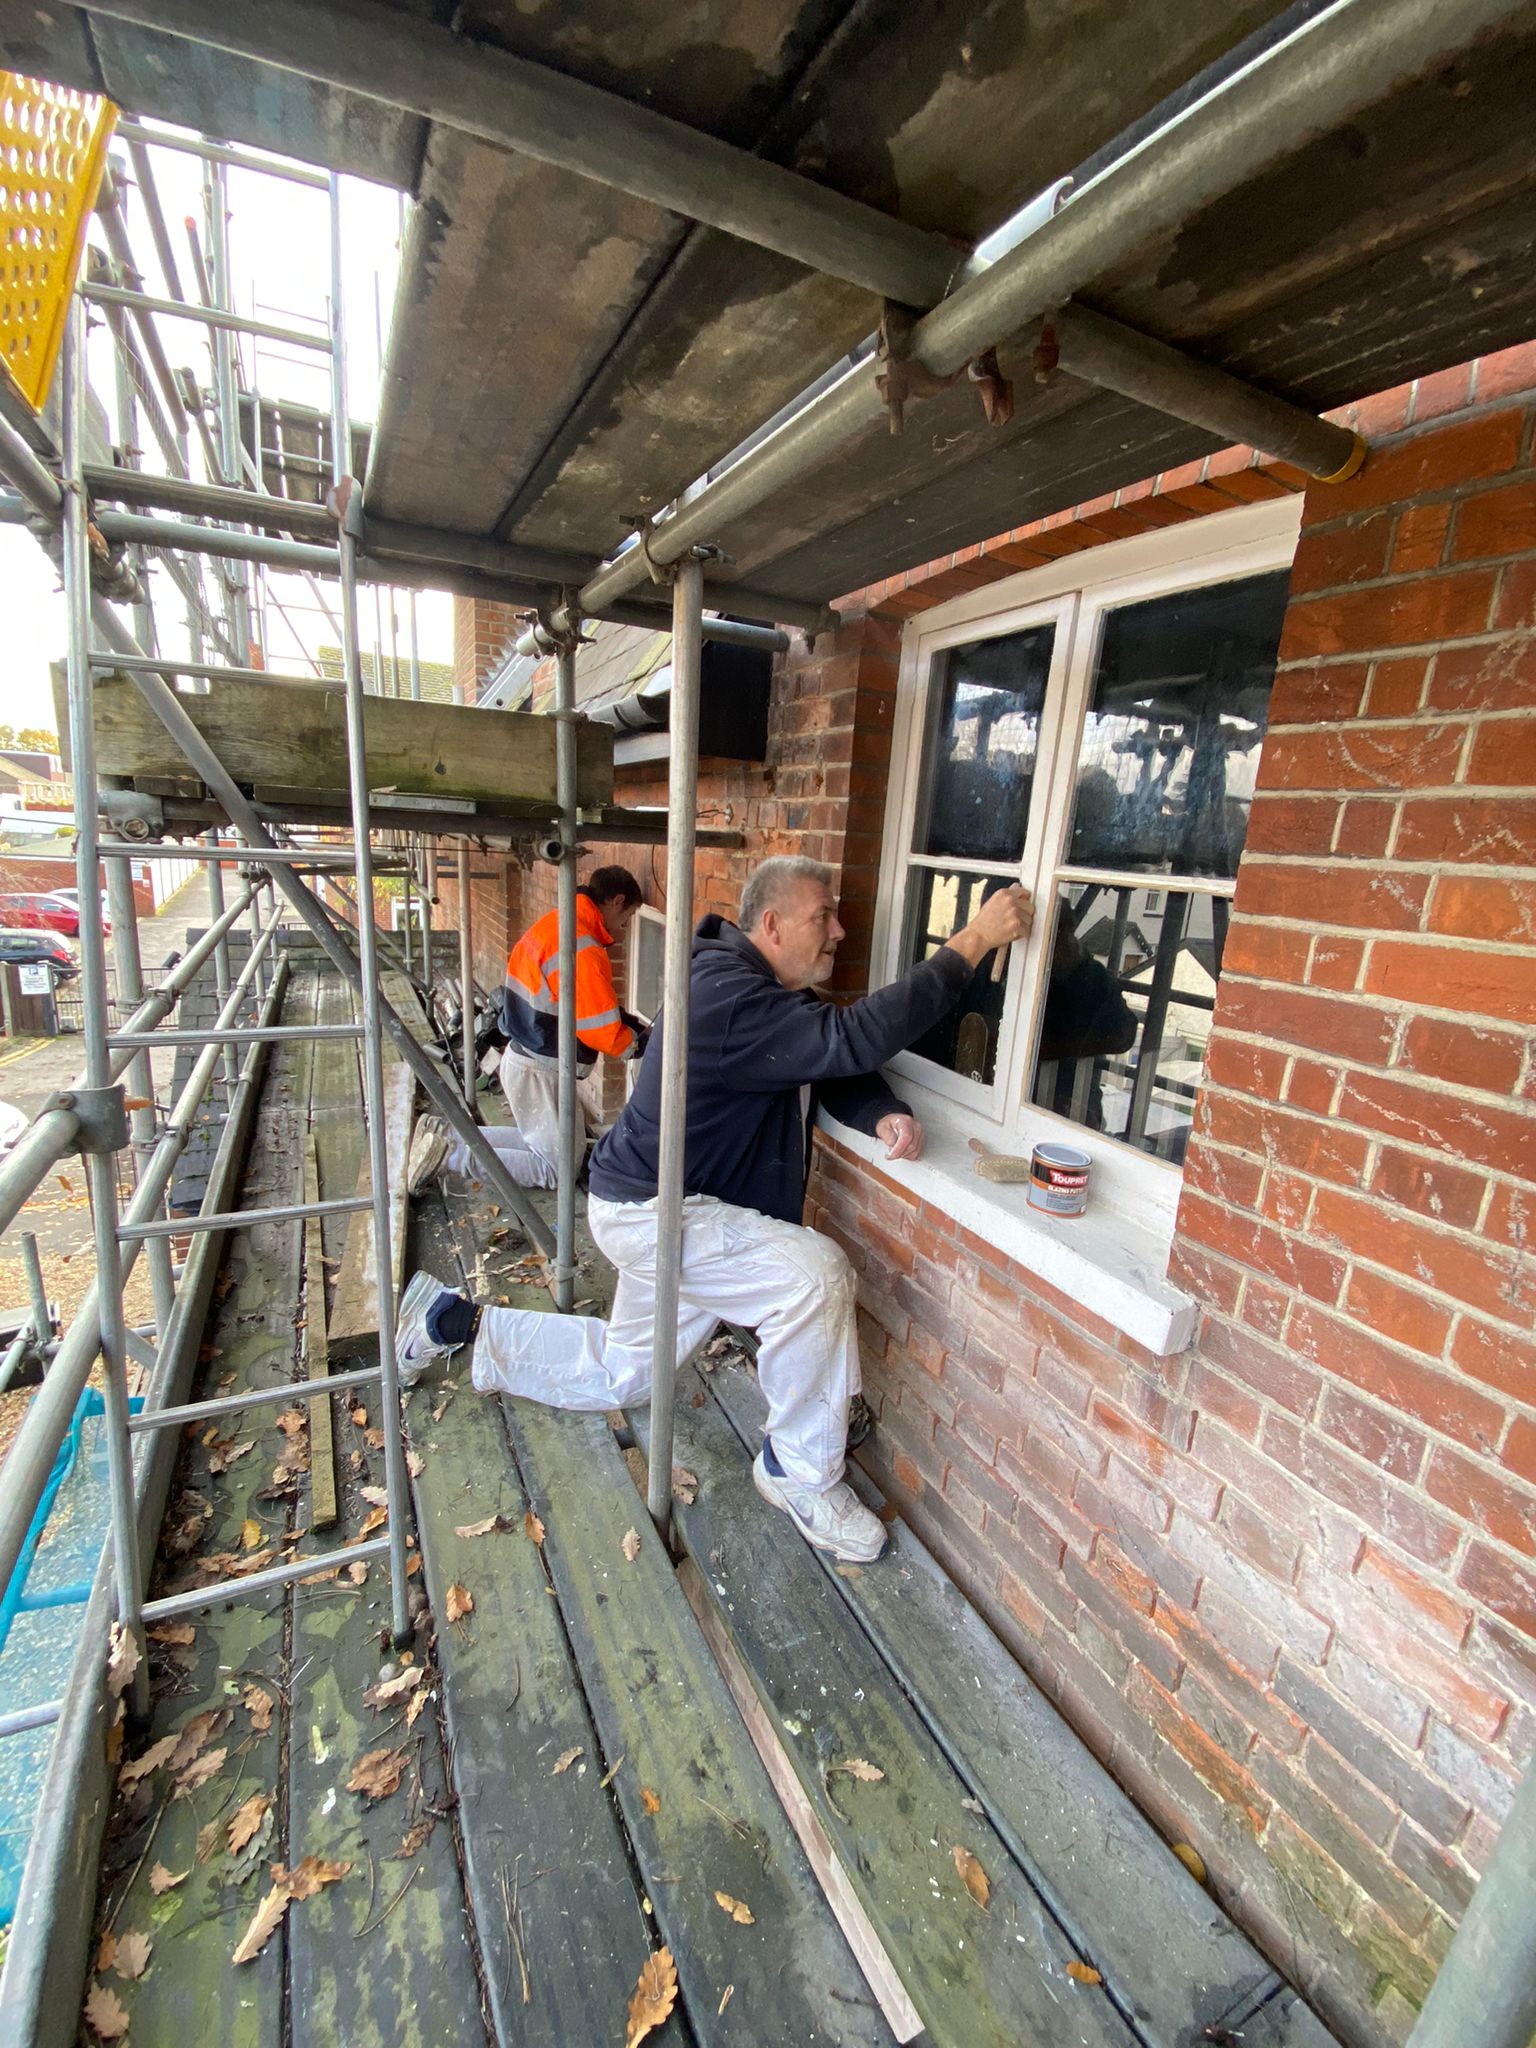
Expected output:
(1114, 1264)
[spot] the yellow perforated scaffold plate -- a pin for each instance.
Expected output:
(53, 143)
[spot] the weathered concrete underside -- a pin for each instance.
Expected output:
(564, 356)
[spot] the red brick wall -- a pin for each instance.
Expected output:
(482, 633)
(1284, 1584)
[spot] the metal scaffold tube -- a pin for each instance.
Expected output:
(466, 983)
(682, 812)
(568, 1104)
(43, 1427)
(124, 911)
(368, 962)
(100, 1160)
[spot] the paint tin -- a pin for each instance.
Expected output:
(1058, 1180)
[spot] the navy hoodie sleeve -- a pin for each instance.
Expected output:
(768, 1045)
(861, 1101)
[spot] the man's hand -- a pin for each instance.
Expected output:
(1006, 915)
(902, 1136)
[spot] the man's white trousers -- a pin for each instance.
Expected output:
(791, 1285)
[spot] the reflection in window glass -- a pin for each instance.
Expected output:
(1170, 747)
(1127, 1012)
(965, 1038)
(983, 746)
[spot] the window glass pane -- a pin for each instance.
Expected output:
(939, 902)
(1170, 746)
(1127, 1013)
(983, 740)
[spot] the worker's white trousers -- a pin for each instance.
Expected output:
(532, 1089)
(525, 1167)
(791, 1285)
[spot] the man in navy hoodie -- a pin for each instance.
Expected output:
(762, 1052)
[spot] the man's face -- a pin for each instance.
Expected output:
(616, 915)
(798, 937)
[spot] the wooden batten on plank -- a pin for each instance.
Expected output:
(293, 737)
(354, 1321)
(317, 1361)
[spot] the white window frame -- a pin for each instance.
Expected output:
(1076, 591)
(645, 913)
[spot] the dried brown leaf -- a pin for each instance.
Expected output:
(654, 1996)
(123, 1658)
(106, 1953)
(360, 1416)
(391, 1689)
(357, 1573)
(649, 1800)
(972, 1875)
(460, 1601)
(858, 1767)
(181, 1634)
(247, 1821)
(196, 1732)
(251, 1534)
(489, 1527)
(268, 1918)
(104, 2014)
(418, 1701)
(376, 1496)
(221, 1459)
(374, 1439)
(257, 1702)
(565, 1761)
(374, 1519)
(1083, 1973)
(199, 1771)
(631, 1544)
(309, 1876)
(414, 1840)
(741, 1914)
(141, 1766)
(533, 1528)
(162, 1880)
(413, 1464)
(132, 1958)
(685, 1485)
(293, 1422)
(378, 1774)
(849, 1571)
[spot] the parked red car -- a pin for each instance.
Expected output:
(43, 911)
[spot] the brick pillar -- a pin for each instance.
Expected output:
(482, 633)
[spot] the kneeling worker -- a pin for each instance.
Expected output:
(757, 1038)
(530, 1066)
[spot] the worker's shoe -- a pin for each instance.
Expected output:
(835, 1521)
(431, 1142)
(426, 1327)
(861, 1420)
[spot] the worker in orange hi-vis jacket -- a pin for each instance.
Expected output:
(530, 1007)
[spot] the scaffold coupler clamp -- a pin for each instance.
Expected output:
(101, 1113)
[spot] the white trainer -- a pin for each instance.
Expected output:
(835, 1521)
(431, 1142)
(415, 1348)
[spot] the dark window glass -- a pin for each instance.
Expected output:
(1170, 746)
(965, 1038)
(983, 740)
(1127, 1012)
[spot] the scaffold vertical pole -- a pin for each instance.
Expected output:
(682, 814)
(100, 1165)
(466, 981)
(368, 960)
(221, 977)
(123, 910)
(565, 1033)
(429, 892)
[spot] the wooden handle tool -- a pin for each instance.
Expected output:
(999, 1166)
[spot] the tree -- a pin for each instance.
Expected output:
(7, 735)
(32, 739)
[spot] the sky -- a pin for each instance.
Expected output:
(280, 264)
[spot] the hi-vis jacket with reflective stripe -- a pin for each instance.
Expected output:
(530, 997)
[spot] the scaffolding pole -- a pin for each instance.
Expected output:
(565, 1020)
(466, 983)
(368, 961)
(105, 1097)
(682, 813)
